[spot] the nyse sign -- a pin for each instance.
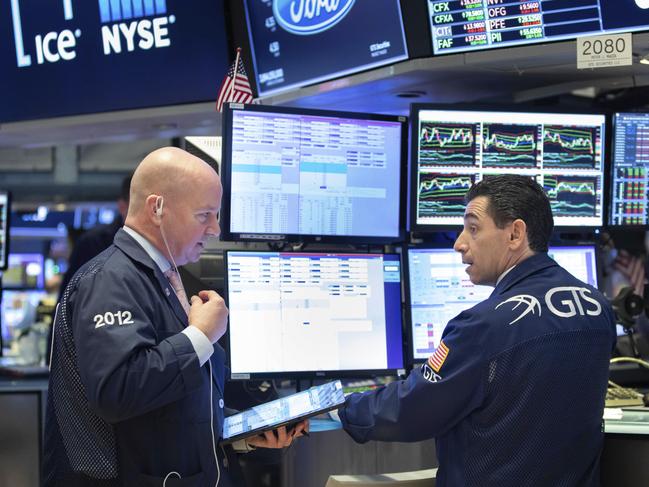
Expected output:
(128, 25)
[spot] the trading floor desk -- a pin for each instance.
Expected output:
(626, 448)
(310, 461)
(22, 417)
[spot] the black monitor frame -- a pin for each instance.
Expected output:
(416, 108)
(226, 177)
(610, 174)
(5, 236)
(319, 374)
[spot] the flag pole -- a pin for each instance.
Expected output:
(234, 79)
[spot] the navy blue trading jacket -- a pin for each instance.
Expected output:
(128, 402)
(515, 393)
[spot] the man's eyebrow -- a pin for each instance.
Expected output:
(470, 215)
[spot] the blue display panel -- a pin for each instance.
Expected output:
(294, 172)
(630, 170)
(452, 149)
(70, 57)
(439, 289)
(467, 25)
(311, 314)
(300, 42)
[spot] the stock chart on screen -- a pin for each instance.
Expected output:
(630, 170)
(469, 25)
(456, 148)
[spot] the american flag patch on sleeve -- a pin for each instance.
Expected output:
(437, 359)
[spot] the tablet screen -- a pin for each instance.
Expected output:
(285, 410)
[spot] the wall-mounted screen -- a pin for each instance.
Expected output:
(452, 149)
(71, 57)
(630, 170)
(439, 289)
(296, 43)
(313, 314)
(298, 174)
(461, 25)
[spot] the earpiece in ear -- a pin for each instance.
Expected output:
(159, 202)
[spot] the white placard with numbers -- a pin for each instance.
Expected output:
(604, 51)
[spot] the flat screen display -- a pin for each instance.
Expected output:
(294, 173)
(25, 271)
(71, 57)
(630, 170)
(5, 213)
(453, 149)
(18, 312)
(313, 314)
(468, 25)
(439, 289)
(299, 42)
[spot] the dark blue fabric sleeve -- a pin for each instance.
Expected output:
(134, 367)
(428, 403)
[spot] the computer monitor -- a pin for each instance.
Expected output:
(5, 212)
(302, 174)
(439, 289)
(24, 271)
(313, 314)
(580, 261)
(455, 148)
(18, 312)
(630, 170)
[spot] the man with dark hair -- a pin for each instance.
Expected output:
(514, 394)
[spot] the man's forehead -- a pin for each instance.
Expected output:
(477, 208)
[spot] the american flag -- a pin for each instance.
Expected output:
(234, 88)
(437, 359)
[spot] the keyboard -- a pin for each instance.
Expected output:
(617, 397)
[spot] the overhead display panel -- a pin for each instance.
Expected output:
(71, 57)
(299, 42)
(468, 25)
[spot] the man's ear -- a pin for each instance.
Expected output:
(153, 209)
(518, 234)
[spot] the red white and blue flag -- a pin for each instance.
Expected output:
(436, 360)
(235, 86)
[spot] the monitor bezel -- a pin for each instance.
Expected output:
(611, 176)
(416, 108)
(226, 175)
(4, 259)
(313, 374)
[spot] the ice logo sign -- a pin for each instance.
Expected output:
(307, 17)
(134, 24)
(49, 47)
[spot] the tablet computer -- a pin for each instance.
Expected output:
(283, 411)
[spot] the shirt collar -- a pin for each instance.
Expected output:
(151, 251)
(504, 274)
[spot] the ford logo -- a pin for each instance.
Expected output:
(306, 17)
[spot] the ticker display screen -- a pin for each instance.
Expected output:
(454, 149)
(630, 170)
(466, 25)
